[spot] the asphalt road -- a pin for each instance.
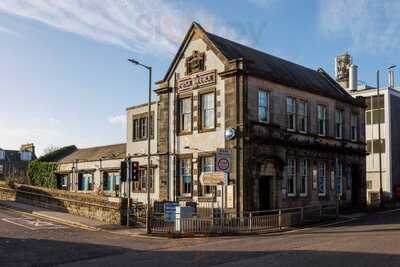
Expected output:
(370, 241)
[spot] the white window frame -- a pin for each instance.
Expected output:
(207, 111)
(323, 176)
(182, 174)
(321, 110)
(291, 177)
(265, 106)
(354, 127)
(303, 176)
(339, 175)
(300, 117)
(185, 115)
(339, 123)
(290, 114)
(204, 187)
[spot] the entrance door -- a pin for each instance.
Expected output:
(264, 193)
(355, 184)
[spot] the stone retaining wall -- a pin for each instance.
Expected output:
(105, 209)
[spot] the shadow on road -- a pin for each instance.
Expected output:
(37, 252)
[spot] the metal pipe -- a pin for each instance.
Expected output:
(380, 140)
(148, 227)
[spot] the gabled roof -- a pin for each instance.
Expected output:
(117, 151)
(271, 68)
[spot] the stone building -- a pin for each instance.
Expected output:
(14, 163)
(136, 148)
(384, 108)
(92, 170)
(294, 135)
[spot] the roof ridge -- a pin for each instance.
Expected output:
(261, 51)
(93, 147)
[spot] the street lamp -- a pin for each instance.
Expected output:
(148, 229)
(379, 134)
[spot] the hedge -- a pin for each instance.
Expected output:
(42, 174)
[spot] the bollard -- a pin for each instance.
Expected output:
(251, 221)
(280, 219)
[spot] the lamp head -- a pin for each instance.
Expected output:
(133, 61)
(392, 67)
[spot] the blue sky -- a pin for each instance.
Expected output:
(65, 79)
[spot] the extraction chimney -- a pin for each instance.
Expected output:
(391, 79)
(353, 77)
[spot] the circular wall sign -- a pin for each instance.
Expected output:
(223, 164)
(230, 133)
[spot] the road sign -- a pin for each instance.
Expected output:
(224, 157)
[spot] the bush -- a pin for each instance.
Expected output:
(42, 174)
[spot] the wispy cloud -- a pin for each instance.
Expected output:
(8, 31)
(117, 120)
(370, 25)
(137, 25)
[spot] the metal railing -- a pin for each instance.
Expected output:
(250, 222)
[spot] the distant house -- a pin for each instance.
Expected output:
(14, 163)
(92, 169)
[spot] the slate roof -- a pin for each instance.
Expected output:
(117, 151)
(281, 71)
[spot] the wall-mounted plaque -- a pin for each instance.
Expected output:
(197, 80)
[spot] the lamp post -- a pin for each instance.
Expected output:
(379, 135)
(148, 228)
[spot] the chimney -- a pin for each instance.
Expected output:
(353, 77)
(28, 147)
(342, 69)
(391, 79)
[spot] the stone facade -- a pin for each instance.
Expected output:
(261, 150)
(105, 209)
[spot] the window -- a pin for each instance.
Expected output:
(373, 146)
(207, 111)
(321, 173)
(338, 176)
(85, 182)
(321, 113)
(185, 114)
(369, 184)
(185, 171)
(291, 177)
(375, 111)
(302, 116)
(111, 181)
(339, 124)
(303, 165)
(290, 113)
(26, 155)
(1, 169)
(263, 106)
(207, 165)
(354, 126)
(2, 154)
(143, 179)
(139, 127)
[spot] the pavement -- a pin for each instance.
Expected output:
(363, 240)
(70, 219)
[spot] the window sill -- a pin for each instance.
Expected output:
(304, 195)
(207, 130)
(322, 194)
(206, 199)
(291, 195)
(184, 133)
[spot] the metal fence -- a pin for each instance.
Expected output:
(251, 222)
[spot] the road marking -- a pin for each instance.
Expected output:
(389, 211)
(33, 224)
